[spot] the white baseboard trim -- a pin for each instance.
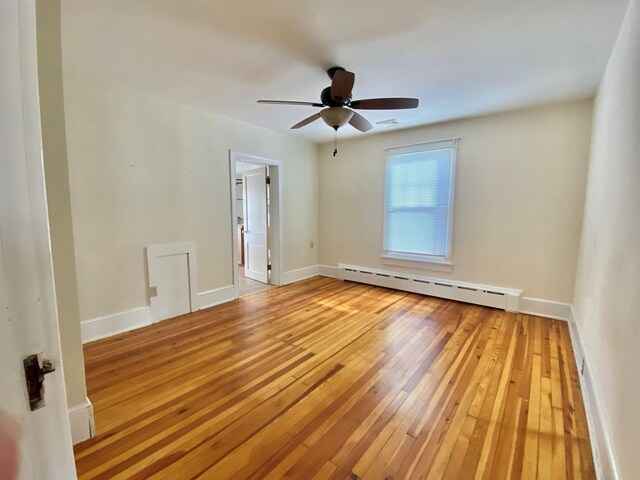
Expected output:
(81, 422)
(300, 274)
(214, 297)
(545, 308)
(329, 271)
(603, 455)
(109, 325)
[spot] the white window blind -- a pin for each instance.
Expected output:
(418, 201)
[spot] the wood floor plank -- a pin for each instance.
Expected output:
(331, 380)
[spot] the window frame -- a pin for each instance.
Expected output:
(416, 260)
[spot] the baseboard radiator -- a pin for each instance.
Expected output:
(497, 297)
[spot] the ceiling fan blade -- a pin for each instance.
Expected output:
(285, 102)
(306, 121)
(384, 103)
(360, 123)
(342, 84)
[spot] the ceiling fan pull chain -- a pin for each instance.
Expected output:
(335, 142)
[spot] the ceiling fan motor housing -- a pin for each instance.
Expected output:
(326, 99)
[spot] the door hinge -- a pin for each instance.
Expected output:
(268, 267)
(268, 180)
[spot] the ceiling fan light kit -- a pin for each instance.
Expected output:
(337, 99)
(336, 117)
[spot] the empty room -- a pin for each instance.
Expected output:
(266, 239)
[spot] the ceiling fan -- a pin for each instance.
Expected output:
(339, 108)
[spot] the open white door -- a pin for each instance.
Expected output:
(255, 223)
(28, 315)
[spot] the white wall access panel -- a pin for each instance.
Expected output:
(172, 280)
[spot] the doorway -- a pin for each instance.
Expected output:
(255, 217)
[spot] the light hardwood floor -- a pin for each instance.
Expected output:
(330, 379)
(248, 285)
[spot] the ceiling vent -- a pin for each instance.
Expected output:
(392, 122)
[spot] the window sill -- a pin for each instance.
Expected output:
(434, 265)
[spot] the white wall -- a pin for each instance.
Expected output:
(145, 170)
(520, 186)
(607, 293)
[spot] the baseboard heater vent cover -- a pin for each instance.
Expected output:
(497, 297)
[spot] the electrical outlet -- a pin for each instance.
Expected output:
(311, 244)
(153, 291)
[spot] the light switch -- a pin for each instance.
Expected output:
(153, 291)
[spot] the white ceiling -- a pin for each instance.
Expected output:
(459, 58)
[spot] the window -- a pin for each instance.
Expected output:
(419, 188)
